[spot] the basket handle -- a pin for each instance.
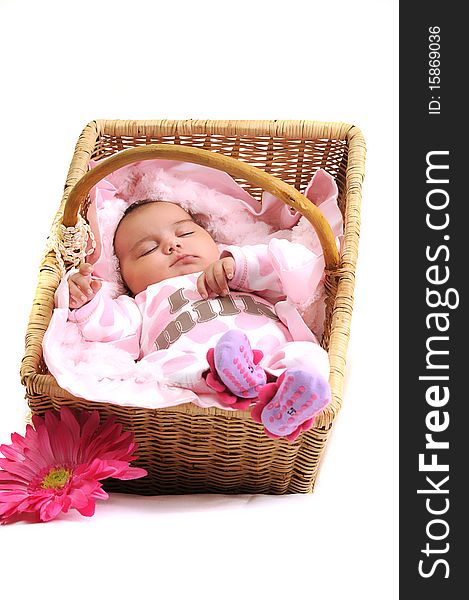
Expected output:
(232, 166)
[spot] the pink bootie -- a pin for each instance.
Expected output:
(288, 406)
(235, 373)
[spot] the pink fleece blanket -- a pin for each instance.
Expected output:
(97, 371)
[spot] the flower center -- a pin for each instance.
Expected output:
(56, 478)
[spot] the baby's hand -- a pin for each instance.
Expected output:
(82, 288)
(215, 277)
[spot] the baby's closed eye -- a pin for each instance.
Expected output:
(149, 251)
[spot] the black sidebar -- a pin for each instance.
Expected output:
(434, 268)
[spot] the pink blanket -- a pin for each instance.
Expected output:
(99, 372)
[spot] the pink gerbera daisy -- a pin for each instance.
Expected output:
(57, 465)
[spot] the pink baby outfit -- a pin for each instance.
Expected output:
(173, 327)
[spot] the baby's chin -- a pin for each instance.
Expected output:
(188, 265)
(181, 270)
(185, 270)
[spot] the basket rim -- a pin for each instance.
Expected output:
(281, 128)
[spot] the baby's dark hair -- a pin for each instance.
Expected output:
(136, 205)
(197, 218)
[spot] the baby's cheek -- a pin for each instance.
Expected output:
(213, 252)
(147, 273)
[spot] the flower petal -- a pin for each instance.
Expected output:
(61, 444)
(37, 422)
(44, 444)
(19, 469)
(89, 427)
(100, 494)
(11, 479)
(78, 498)
(51, 420)
(68, 419)
(88, 510)
(11, 452)
(13, 495)
(50, 509)
(133, 473)
(35, 459)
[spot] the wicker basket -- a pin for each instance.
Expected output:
(187, 449)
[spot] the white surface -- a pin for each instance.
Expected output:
(69, 64)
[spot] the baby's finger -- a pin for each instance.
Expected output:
(95, 285)
(76, 295)
(228, 268)
(85, 268)
(201, 288)
(220, 277)
(84, 285)
(211, 283)
(216, 279)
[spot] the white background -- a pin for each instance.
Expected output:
(64, 64)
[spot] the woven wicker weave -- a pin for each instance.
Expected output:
(187, 449)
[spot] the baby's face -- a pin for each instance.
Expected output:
(158, 241)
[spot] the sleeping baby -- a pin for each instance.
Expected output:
(211, 321)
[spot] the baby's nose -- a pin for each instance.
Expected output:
(171, 244)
